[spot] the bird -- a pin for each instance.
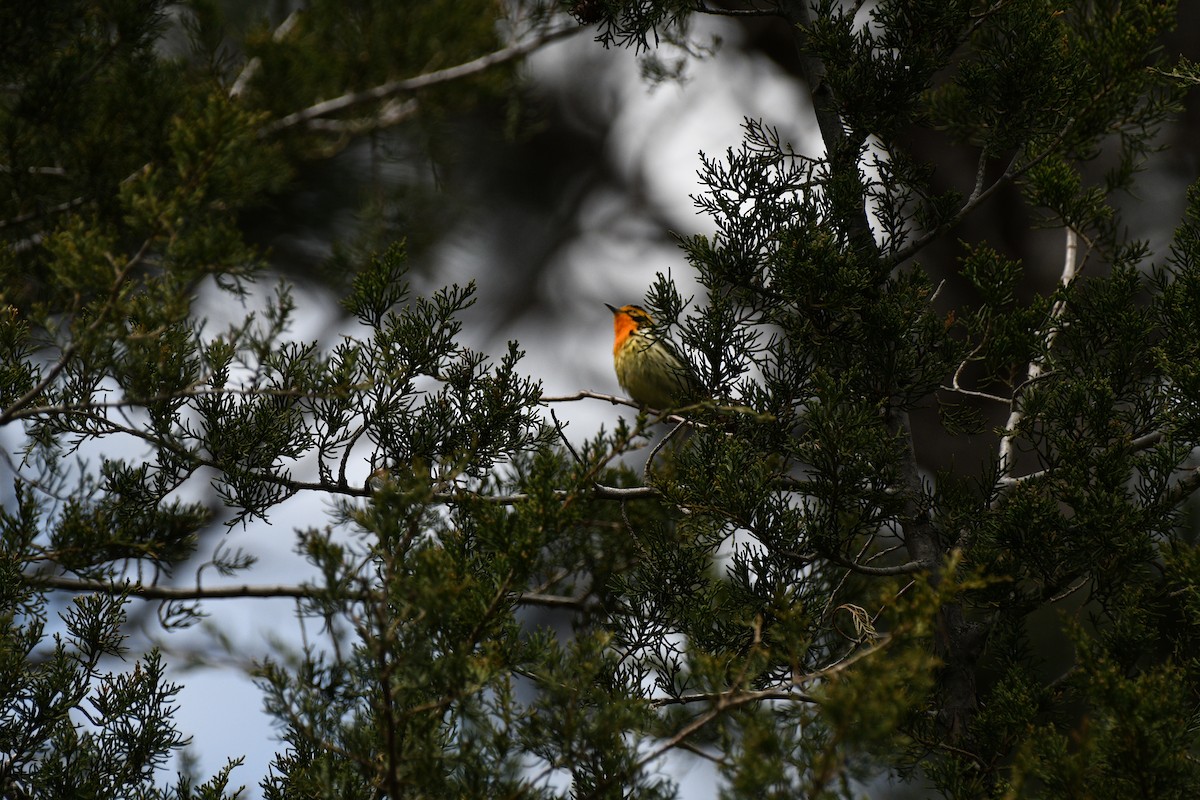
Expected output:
(648, 367)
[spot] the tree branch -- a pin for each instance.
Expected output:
(979, 195)
(255, 64)
(1036, 367)
(245, 591)
(738, 697)
(907, 568)
(739, 12)
(587, 394)
(390, 89)
(149, 592)
(29, 216)
(309, 116)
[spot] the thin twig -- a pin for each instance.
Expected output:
(562, 434)
(907, 568)
(653, 452)
(587, 394)
(57, 172)
(1070, 590)
(957, 388)
(981, 395)
(740, 697)
(617, 400)
(845, 577)
(845, 662)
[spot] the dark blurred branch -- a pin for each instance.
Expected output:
(980, 193)
(32, 215)
(1184, 489)
(255, 64)
(739, 12)
(148, 592)
(385, 91)
(390, 114)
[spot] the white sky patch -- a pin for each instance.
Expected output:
(875, 154)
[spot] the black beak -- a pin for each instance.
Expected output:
(610, 308)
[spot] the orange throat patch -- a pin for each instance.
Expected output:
(623, 326)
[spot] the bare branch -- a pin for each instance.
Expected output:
(979, 194)
(844, 663)
(1070, 590)
(1146, 442)
(390, 89)
(1182, 490)
(616, 400)
(32, 215)
(149, 592)
(57, 172)
(587, 394)
(972, 393)
(1037, 365)
(255, 64)
(740, 12)
(907, 568)
(658, 447)
(302, 591)
(957, 388)
(1137, 445)
(553, 601)
(738, 697)
(391, 114)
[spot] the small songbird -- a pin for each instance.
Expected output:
(648, 368)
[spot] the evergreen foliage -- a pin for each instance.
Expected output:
(786, 591)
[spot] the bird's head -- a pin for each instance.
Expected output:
(628, 320)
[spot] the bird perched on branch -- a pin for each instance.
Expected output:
(648, 367)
